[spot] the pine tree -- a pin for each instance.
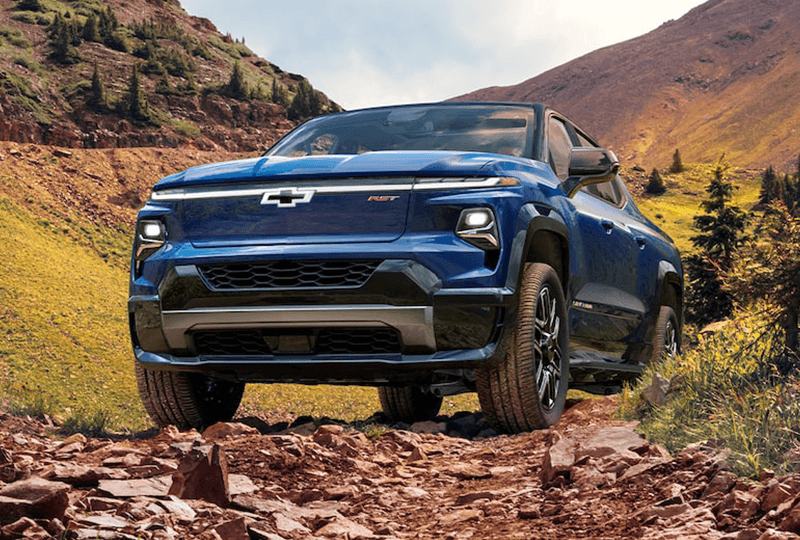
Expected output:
(163, 85)
(91, 31)
(677, 164)
(655, 185)
(769, 186)
(29, 5)
(97, 98)
(721, 233)
(306, 102)
(237, 85)
(136, 104)
(278, 94)
(768, 269)
(60, 39)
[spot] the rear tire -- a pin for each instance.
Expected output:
(408, 403)
(527, 390)
(667, 335)
(187, 400)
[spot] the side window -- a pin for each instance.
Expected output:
(558, 147)
(608, 191)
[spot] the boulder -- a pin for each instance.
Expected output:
(203, 474)
(38, 498)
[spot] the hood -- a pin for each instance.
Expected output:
(382, 164)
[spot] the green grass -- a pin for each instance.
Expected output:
(63, 316)
(674, 210)
(725, 389)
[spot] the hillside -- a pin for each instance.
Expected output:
(723, 78)
(67, 79)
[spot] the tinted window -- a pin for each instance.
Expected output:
(558, 146)
(608, 191)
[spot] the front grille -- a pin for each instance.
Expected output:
(247, 342)
(234, 343)
(288, 274)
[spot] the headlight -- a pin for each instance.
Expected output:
(478, 226)
(151, 234)
(429, 183)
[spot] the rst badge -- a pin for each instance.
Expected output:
(383, 198)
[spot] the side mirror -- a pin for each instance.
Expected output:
(588, 165)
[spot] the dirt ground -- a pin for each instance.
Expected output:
(590, 476)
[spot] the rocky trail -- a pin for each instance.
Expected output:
(590, 476)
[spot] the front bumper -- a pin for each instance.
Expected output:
(436, 329)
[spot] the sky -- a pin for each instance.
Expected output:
(364, 53)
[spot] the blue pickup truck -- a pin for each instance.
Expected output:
(427, 250)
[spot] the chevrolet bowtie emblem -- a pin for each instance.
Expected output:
(287, 197)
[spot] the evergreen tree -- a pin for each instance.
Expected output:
(768, 269)
(163, 85)
(91, 31)
(136, 104)
(278, 94)
(677, 164)
(655, 185)
(97, 98)
(29, 5)
(307, 102)
(237, 86)
(721, 232)
(60, 39)
(769, 186)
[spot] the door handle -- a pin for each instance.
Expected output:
(607, 225)
(642, 241)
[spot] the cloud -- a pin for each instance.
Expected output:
(363, 53)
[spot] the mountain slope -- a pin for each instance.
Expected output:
(723, 78)
(67, 70)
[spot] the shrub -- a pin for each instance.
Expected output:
(655, 185)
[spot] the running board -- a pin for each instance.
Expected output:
(602, 375)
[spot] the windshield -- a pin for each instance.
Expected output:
(496, 129)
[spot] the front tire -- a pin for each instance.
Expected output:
(527, 390)
(408, 403)
(187, 400)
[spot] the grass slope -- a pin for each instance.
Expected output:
(63, 349)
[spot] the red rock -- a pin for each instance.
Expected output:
(460, 516)
(772, 534)
(341, 527)
(144, 487)
(469, 498)
(48, 500)
(529, 512)
(738, 503)
(23, 528)
(223, 430)
(203, 474)
(75, 475)
(776, 493)
(468, 471)
(722, 482)
(233, 530)
(558, 461)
